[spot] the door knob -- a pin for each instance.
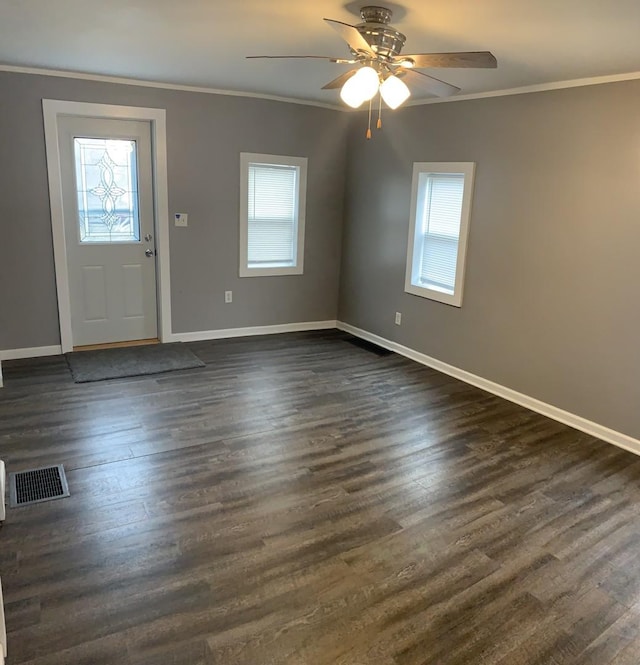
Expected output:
(148, 252)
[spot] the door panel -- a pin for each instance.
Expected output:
(133, 290)
(94, 291)
(109, 225)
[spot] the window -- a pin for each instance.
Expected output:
(272, 207)
(107, 190)
(440, 210)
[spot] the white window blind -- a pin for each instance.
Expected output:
(272, 215)
(440, 229)
(441, 194)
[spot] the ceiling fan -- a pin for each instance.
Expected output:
(375, 48)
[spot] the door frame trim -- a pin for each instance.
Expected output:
(51, 110)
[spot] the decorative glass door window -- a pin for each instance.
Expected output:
(107, 187)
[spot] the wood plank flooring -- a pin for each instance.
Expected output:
(302, 501)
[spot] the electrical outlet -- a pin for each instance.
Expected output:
(398, 318)
(181, 219)
(228, 296)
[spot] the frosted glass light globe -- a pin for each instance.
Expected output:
(361, 87)
(394, 92)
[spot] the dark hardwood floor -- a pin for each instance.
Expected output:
(303, 501)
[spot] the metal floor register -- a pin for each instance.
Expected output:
(37, 485)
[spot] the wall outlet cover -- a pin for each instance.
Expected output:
(181, 218)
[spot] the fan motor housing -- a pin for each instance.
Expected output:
(383, 38)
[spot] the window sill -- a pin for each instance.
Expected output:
(434, 293)
(270, 272)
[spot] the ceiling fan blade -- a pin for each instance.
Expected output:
(431, 84)
(340, 80)
(277, 57)
(470, 59)
(351, 35)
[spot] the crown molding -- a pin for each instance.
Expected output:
(102, 78)
(506, 92)
(523, 90)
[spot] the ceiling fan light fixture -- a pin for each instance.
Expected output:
(394, 92)
(374, 48)
(361, 87)
(350, 95)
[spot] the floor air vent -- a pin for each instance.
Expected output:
(36, 485)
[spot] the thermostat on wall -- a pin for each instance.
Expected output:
(181, 218)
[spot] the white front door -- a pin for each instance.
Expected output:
(109, 228)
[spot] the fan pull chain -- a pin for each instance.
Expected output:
(379, 124)
(369, 127)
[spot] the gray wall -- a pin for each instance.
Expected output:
(205, 134)
(551, 305)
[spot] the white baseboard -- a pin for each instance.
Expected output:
(578, 422)
(225, 333)
(197, 336)
(31, 352)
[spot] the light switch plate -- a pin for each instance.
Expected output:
(181, 218)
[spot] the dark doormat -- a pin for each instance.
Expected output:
(104, 364)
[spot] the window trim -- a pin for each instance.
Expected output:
(426, 168)
(300, 163)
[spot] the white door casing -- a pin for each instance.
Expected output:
(53, 111)
(112, 283)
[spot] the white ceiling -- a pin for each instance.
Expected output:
(204, 42)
